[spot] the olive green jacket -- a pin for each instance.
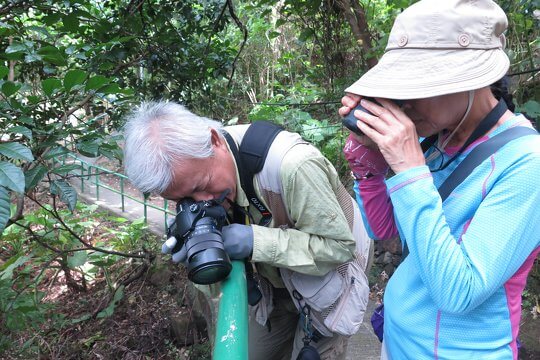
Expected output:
(320, 237)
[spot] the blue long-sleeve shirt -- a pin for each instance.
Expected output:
(458, 293)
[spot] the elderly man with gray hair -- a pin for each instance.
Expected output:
(315, 225)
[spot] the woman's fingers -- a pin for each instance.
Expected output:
(344, 110)
(350, 100)
(379, 118)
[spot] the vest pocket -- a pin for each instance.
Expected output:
(348, 313)
(319, 292)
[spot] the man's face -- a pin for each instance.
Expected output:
(204, 179)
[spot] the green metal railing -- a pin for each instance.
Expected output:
(90, 174)
(231, 338)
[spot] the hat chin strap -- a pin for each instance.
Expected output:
(441, 144)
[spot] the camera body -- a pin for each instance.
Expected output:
(350, 120)
(198, 225)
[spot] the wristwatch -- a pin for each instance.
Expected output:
(362, 177)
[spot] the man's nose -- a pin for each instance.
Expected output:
(202, 196)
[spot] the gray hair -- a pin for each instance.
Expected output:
(159, 136)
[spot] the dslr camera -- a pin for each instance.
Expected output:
(198, 225)
(349, 121)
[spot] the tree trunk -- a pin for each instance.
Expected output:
(356, 16)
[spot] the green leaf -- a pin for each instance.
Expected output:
(33, 99)
(95, 82)
(52, 55)
(531, 108)
(16, 47)
(117, 219)
(90, 149)
(109, 310)
(4, 208)
(51, 19)
(51, 85)
(66, 192)
(111, 89)
(39, 29)
(306, 35)
(57, 151)
(273, 34)
(33, 176)
(23, 130)
(17, 151)
(81, 318)
(106, 261)
(280, 22)
(71, 22)
(9, 88)
(400, 3)
(68, 168)
(29, 58)
(74, 77)
(3, 71)
(6, 270)
(78, 259)
(11, 177)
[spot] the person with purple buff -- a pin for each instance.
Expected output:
(457, 294)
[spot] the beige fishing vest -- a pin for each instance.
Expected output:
(337, 299)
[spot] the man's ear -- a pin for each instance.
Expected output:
(217, 140)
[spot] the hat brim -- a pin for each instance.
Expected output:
(404, 74)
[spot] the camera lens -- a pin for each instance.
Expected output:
(209, 266)
(207, 260)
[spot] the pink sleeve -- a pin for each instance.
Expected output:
(376, 207)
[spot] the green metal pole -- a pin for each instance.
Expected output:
(145, 207)
(122, 193)
(97, 183)
(231, 342)
(82, 176)
(165, 207)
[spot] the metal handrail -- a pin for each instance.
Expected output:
(231, 340)
(231, 336)
(90, 173)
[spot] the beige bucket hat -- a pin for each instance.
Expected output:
(439, 47)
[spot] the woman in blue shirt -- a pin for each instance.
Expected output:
(457, 295)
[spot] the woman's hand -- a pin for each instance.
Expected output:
(392, 131)
(349, 102)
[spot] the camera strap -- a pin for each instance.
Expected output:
(250, 158)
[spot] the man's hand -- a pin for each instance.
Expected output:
(177, 257)
(238, 241)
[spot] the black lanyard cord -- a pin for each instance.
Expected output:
(483, 127)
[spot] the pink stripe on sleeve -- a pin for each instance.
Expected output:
(514, 288)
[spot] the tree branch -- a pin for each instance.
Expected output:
(89, 246)
(356, 17)
(244, 31)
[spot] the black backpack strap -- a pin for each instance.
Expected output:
(478, 155)
(250, 158)
(475, 158)
(255, 144)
